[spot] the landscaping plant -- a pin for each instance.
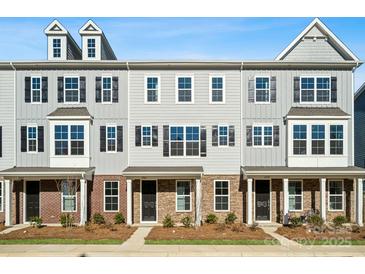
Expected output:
(67, 220)
(119, 219)
(187, 221)
(98, 219)
(168, 221)
(231, 218)
(211, 219)
(338, 221)
(36, 221)
(295, 221)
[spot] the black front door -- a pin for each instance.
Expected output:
(32, 199)
(262, 200)
(148, 201)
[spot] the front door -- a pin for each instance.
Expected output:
(262, 200)
(32, 200)
(149, 201)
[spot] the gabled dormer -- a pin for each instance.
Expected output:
(95, 46)
(61, 45)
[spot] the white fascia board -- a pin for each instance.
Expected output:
(49, 30)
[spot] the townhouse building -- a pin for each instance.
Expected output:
(83, 132)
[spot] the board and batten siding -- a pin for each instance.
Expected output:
(115, 113)
(7, 113)
(219, 160)
(360, 130)
(274, 113)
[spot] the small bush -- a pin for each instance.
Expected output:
(98, 219)
(295, 221)
(338, 221)
(67, 220)
(36, 221)
(187, 221)
(119, 219)
(168, 221)
(315, 220)
(211, 219)
(231, 218)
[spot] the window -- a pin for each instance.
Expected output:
(111, 196)
(146, 136)
(111, 138)
(77, 140)
(184, 141)
(152, 89)
(32, 138)
(91, 48)
(335, 195)
(295, 195)
(262, 135)
(217, 89)
(57, 48)
(262, 89)
(223, 136)
(336, 139)
(61, 140)
(318, 136)
(221, 195)
(315, 89)
(299, 139)
(107, 90)
(177, 141)
(36, 90)
(72, 89)
(183, 198)
(69, 196)
(192, 141)
(185, 89)
(1, 196)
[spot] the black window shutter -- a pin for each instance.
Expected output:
(23, 139)
(1, 141)
(40, 139)
(82, 89)
(138, 136)
(273, 89)
(333, 89)
(115, 89)
(203, 141)
(154, 136)
(102, 138)
(120, 138)
(276, 136)
(44, 89)
(249, 136)
(98, 89)
(166, 141)
(27, 90)
(296, 89)
(251, 90)
(214, 136)
(60, 90)
(231, 136)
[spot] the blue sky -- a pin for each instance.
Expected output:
(182, 38)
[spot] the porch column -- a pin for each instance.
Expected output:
(323, 198)
(286, 201)
(83, 202)
(249, 201)
(359, 202)
(8, 202)
(198, 198)
(129, 201)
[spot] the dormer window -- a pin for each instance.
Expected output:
(56, 48)
(91, 48)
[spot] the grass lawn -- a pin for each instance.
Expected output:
(211, 242)
(57, 241)
(331, 242)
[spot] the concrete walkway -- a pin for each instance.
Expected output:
(282, 240)
(13, 228)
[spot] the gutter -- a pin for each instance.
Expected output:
(15, 125)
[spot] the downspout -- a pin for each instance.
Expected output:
(241, 115)
(353, 115)
(128, 113)
(15, 126)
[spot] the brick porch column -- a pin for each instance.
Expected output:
(198, 198)
(323, 198)
(249, 201)
(8, 202)
(129, 202)
(286, 201)
(359, 202)
(83, 202)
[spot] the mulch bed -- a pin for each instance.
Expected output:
(209, 232)
(2, 227)
(90, 232)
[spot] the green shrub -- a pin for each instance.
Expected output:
(187, 221)
(67, 220)
(211, 219)
(295, 221)
(168, 221)
(315, 220)
(36, 221)
(119, 219)
(98, 219)
(231, 218)
(338, 221)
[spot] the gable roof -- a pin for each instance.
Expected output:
(312, 31)
(70, 112)
(360, 91)
(90, 27)
(55, 27)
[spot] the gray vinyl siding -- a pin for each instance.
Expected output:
(275, 112)
(219, 160)
(72, 52)
(116, 113)
(7, 118)
(360, 131)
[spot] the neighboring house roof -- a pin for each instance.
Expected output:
(316, 111)
(359, 91)
(70, 112)
(163, 170)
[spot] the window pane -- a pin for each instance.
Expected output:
(184, 89)
(217, 89)
(192, 149)
(307, 89)
(177, 149)
(335, 187)
(221, 203)
(183, 188)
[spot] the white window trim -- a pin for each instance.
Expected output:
(307, 132)
(158, 89)
(219, 136)
(184, 141)
(311, 140)
(64, 89)
(69, 140)
(53, 48)
(263, 103)
(2, 196)
(40, 90)
(68, 195)
(329, 195)
(177, 89)
(176, 196)
(102, 90)
(36, 138)
(343, 139)
(150, 145)
(315, 89)
(263, 135)
(295, 195)
(87, 48)
(104, 196)
(106, 138)
(229, 195)
(211, 76)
